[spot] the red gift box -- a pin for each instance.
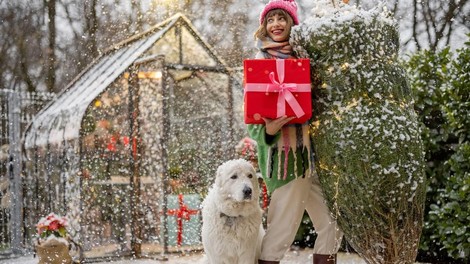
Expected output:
(276, 87)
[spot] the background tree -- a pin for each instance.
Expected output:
(21, 44)
(83, 29)
(428, 24)
(44, 44)
(440, 19)
(228, 25)
(50, 6)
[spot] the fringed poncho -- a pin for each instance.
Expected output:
(293, 140)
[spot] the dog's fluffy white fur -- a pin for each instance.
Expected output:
(232, 218)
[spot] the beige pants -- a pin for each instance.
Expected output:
(287, 206)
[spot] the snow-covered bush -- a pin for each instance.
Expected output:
(369, 155)
(440, 81)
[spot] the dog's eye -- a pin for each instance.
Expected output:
(250, 176)
(234, 177)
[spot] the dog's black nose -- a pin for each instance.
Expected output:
(247, 192)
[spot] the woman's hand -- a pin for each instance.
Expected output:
(274, 125)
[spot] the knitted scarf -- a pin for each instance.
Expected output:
(280, 50)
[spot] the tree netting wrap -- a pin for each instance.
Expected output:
(369, 154)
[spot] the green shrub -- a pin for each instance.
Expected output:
(441, 81)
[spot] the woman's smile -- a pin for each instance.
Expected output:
(276, 28)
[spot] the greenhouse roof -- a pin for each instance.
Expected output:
(61, 120)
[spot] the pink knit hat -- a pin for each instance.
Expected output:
(290, 6)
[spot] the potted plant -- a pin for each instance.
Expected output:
(53, 243)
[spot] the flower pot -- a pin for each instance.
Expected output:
(53, 251)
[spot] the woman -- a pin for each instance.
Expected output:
(294, 188)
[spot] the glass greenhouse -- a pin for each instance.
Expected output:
(150, 118)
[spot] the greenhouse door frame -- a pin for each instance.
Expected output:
(135, 180)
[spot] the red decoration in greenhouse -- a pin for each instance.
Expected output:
(182, 213)
(112, 144)
(134, 147)
(125, 140)
(111, 147)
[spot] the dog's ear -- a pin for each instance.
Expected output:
(217, 176)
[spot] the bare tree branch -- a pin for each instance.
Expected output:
(51, 56)
(428, 23)
(448, 19)
(415, 23)
(69, 18)
(91, 26)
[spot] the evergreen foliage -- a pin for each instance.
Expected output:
(369, 154)
(441, 82)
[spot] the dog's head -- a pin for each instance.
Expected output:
(236, 180)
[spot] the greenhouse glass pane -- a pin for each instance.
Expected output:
(168, 46)
(194, 51)
(198, 113)
(199, 95)
(56, 184)
(106, 167)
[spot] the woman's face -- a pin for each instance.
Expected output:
(277, 28)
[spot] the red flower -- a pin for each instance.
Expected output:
(54, 225)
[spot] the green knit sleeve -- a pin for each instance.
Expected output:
(258, 133)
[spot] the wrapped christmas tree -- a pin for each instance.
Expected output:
(369, 155)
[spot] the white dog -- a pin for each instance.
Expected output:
(232, 231)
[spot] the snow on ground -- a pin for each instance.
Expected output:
(292, 257)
